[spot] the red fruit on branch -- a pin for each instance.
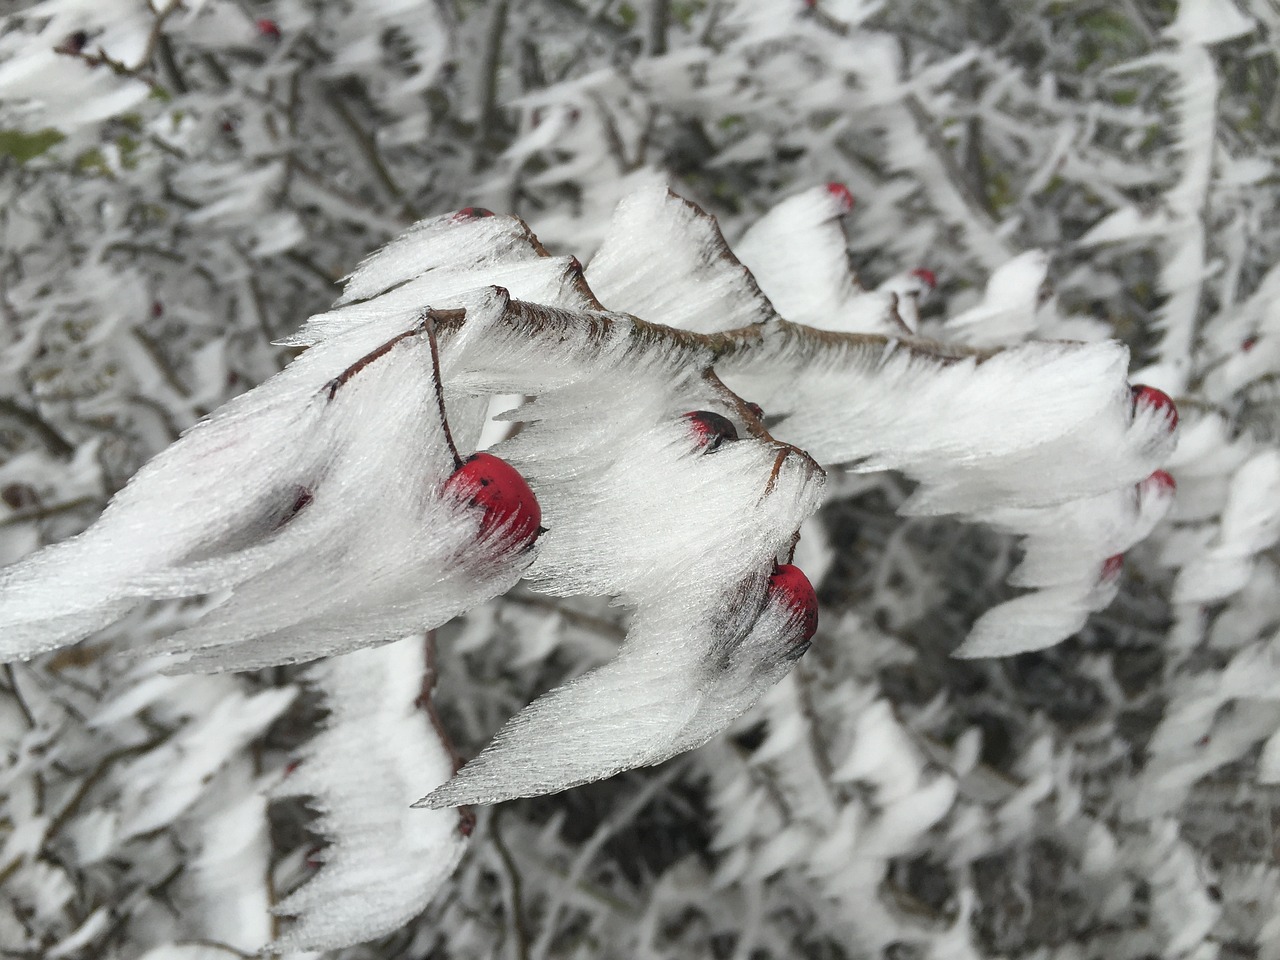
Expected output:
(497, 488)
(793, 589)
(711, 429)
(268, 29)
(1144, 396)
(1161, 480)
(927, 277)
(842, 194)
(471, 213)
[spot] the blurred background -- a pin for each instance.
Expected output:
(181, 184)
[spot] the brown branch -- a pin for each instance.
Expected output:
(54, 441)
(425, 703)
(17, 695)
(156, 354)
(367, 148)
(434, 316)
(490, 61)
(118, 67)
(576, 618)
(513, 874)
(430, 326)
(50, 511)
(656, 40)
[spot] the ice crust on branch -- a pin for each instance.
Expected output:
(798, 254)
(314, 501)
(318, 508)
(378, 749)
(1036, 425)
(688, 667)
(665, 260)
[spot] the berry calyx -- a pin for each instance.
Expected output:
(1111, 566)
(842, 194)
(268, 29)
(711, 429)
(497, 488)
(1144, 396)
(301, 500)
(927, 277)
(794, 591)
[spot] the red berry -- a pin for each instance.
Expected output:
(842, 195)
(1111, 566)
(927, 277)
(1248, 343)
(1144, 396)
(471, 213)
(794, 590)
(496, 487)
(711, 429)
(268, 29)
(1161, 480)
(756, 409)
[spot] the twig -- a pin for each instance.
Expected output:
(430, 326)
(102, 58)
(54, 441)
(89, 782)
(51, 511)
(619, 818)
(436, 316)
(521, 939)
(608, 29)
(366, 147)
(17, 695)
(656, 40)
(938, 145)
(161, 361)
(576, 618)
(490, 60)
(426, 703)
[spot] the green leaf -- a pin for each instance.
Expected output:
(23, 146)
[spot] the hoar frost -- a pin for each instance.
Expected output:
(312, 512)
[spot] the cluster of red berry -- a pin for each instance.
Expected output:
(508, 506)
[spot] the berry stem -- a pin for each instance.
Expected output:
(429, 325)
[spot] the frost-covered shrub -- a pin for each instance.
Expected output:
(184, 186)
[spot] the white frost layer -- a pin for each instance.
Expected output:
(798, 254)
(1250, 524)
(319, 508)
(665, 261)
(376, 754)
(687, 669)
(1034, 425)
